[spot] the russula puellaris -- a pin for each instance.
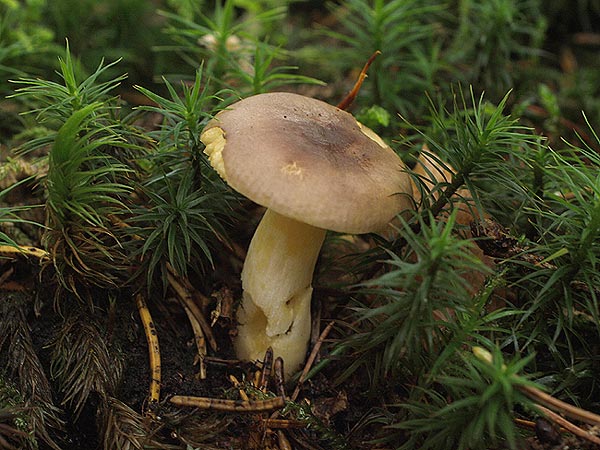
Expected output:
(315, 168)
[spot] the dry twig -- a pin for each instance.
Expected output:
(558, 405)
(347, 101)
(311, 359)
(561, 421)
(153, 351)
(185, 293)
(218, 404)
(10, 251)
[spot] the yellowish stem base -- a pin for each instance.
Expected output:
(276, 280)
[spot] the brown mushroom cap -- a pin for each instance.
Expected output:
(312, 162)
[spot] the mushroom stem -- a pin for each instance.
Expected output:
(276, 280)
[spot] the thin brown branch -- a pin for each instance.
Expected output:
(282, 441)
(218, 404)
(284, 423)
(184, 293)
(561, 421)
(10, 251)
(347, 101)
(279, 377)
(200, 342)
(558, 405)
(311, 359)
(153, 351)
(236, 383)
(265, 373)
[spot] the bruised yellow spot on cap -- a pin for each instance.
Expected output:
(292, 169)
(371, 135)
(214, 140)
(310, 161)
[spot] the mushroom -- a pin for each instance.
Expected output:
(315, 168)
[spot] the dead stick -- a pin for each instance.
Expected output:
(186, 297)
(284, 423)
(347, 101)
(199, 341)
(311, 359)
(265, 373)
(540, 396)
(236, 383)
(226, 362)
(282, 441)
(561, 421)
(567, 409)
(19, 250)
(6, 275)
(279, 377)
(153, 349)
(228, 405)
